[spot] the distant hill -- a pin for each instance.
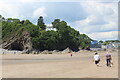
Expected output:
(24, 35)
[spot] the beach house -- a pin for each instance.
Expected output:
(95, 45)
(50, 27)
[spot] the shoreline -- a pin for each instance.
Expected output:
(5, 51)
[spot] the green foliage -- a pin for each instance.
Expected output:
(41, 23)
(111, 41)
(84, 41)
(105, 43)
(48, 40)
(0, 16)
(56, 21)
(100, 41)
(64, 37)
(27, 22)
(16, 29)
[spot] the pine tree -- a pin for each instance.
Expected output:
(41, 23)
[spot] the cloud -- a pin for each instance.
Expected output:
(13, 9)
(9, 10)
(88, 16)
(104, 35)
(39, 12)
(87, 26)
(111, 26)
(101, 8)
(22, 9)
(27, 1)
(101, 17)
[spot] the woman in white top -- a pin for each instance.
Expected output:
(96, 59)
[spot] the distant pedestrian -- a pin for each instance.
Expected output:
(14, 52)
(96, 59)
(109, 59)
(71, 54)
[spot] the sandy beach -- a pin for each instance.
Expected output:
(81, 65)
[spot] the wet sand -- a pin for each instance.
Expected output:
(57, 66)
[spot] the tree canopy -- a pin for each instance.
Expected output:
(41, 23)
(64, 37)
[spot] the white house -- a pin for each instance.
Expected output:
(50, 27)
(111, 45)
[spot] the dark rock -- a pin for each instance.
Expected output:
(18, 43)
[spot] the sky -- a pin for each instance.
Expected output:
(96, 18)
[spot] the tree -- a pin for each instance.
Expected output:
(0, 20)
(105, 43)
(55, 22)
(83, 45)
(41, 23)
(27, 22)
(101, 41)
(0, 16)
(3, 19)
(64, 37)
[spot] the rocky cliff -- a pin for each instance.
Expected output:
(18, 43)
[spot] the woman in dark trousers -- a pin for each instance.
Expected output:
(108, 60)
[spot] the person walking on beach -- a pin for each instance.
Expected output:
(108, 60)
(71, 54)
(96, 59)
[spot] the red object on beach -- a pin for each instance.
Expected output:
(71, 54)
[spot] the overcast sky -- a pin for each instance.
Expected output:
(96, 18)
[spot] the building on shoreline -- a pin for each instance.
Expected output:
(111, 45)
(50, 27)
(95, 45)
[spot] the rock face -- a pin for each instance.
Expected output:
(46, 52)
(67, 50)
(21, 43)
